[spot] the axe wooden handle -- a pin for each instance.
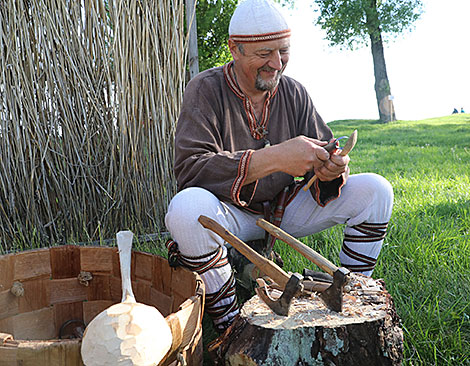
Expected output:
(266, 266)
(345, 151)
(303, 249)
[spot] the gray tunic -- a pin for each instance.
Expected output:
(217, 132)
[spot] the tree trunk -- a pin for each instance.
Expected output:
(367, 332)
(382, 85)
(192, 27)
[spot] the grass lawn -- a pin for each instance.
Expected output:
(425, 261)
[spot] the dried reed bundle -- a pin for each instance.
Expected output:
(89, 96)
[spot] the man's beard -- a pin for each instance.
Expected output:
(264, 85)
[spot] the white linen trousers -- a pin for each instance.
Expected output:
(365, 198)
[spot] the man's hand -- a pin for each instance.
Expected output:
(300, 155)
(333, 167)
(296, 157)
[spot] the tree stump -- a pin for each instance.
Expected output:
(367, 332)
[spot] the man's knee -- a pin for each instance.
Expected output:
(182, 221)
(383, 193)
(186, 207)
(373, 195)
(375, 185)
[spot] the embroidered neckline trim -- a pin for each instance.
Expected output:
(258, 129)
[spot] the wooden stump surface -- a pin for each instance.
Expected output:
(366, 332)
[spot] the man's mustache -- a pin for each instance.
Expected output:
(267, 68)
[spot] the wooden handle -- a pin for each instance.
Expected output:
(124, 242)
(303, 249)
(310, 182)
(266, 266)
(345, 151)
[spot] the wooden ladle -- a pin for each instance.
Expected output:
(128, 333)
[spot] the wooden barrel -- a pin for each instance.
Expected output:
(48, 295)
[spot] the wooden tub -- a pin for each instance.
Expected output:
(45, 292)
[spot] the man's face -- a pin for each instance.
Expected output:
(261, 63)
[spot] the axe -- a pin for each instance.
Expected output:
(333, 295)
(292, 285)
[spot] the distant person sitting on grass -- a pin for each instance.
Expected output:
(455, 111)
(461, 110)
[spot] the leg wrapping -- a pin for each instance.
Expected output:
(222, 305)
(361, 246)
(221, 299)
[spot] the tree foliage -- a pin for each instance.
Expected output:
(350, 23)
(213, 19)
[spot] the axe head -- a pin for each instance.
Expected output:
(281, 305)
(333, 295)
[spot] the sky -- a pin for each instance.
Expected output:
(428, 68)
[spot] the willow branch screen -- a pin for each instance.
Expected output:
(89, 97)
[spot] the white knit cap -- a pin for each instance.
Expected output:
(257, 20)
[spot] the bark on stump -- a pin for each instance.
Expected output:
(367, 332)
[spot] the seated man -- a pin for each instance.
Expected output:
(244, 132)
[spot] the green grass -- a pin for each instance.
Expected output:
(425, 261)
